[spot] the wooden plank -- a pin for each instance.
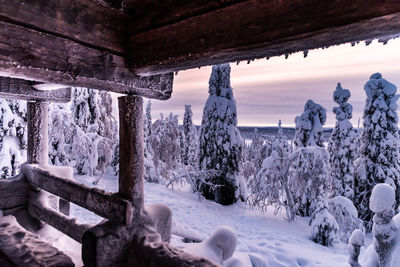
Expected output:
(103, 203)
(88, 22)
(39, 209)
(33, 55)
(151, 14)
(11, 88)
(14, 192)
(256, 29)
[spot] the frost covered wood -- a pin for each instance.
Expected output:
(11, 88)
(379, 152)
(38, 146)
(26, 249)
(14, 192)
(102, 203)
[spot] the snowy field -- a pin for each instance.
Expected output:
(281, 243)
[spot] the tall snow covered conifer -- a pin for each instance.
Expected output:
(379, 152)
(342, 146)
(13, 136)
(309, 170)
(220, 141)
(191, 139)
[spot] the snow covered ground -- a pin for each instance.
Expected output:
(281, 243)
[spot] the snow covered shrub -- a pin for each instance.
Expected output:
(342, 146)
(356, 240)
(379, 153)
(309, 126)
(270, 185)
(85, 138)
(346, 216)
(324, 228)
(165, 144)
(13, 136)
(384, 229)
(191, 140)
(221, 144)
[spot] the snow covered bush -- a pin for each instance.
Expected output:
(191, 140)
(379, 153)
(384, 229)
(342, 146)
(165, 144)
(324, 228)
(13, 136)
(309, 175)
(270, 185)
(85, 137)
(346, 216)
(356, 240)
(221, 144)
(309, 126)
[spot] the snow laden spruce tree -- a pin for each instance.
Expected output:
(220, 141)
(150, 173)
(342, 146)
(191, 139)
(13, 136)
(309, 169)
(379, 153)
(83, 134)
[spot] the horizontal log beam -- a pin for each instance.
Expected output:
(34, 55)
(11, 88)
(39, 208)
(150, 14)
(84, 21)
(104, 204)
(14, 192)
(257, 29)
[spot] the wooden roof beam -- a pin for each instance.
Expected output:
(72, 43)
(11, 88)
(260, 28)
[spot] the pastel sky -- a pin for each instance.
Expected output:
(269, 90)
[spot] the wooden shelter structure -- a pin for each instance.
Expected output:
(132, 47)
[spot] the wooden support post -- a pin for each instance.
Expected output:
(38, 147)
(131, 157)
(38, 136)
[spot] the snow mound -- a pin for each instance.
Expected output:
(382, 198)
(218, 248)
(357, 238)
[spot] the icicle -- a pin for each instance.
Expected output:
(353, 43)
(176, 72)
(267, 58)
(237, 62)
(248, 61)
(305, 53)
(368, 42)
(286, 56)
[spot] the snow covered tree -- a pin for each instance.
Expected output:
(309, 168)
(165, 144)
(13, 136)
(346, 216)
(85, 138)
(324, 228)
(379, 153)
(147, 124)
(342, 146)
(384, 229)
(254, 154)
(191, 139)
(356, 240)
(221, 144)
(270, 185)
(309, 126)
